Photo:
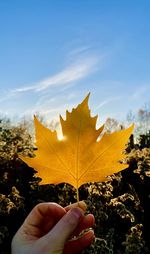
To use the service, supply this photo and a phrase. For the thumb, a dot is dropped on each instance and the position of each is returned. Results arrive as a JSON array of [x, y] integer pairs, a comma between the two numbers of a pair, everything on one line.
[[65, 227]]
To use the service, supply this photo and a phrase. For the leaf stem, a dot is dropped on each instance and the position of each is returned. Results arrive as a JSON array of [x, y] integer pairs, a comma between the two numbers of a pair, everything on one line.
[[78, 196]]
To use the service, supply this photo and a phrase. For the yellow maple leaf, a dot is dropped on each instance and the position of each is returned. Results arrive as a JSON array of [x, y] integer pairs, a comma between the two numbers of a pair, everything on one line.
[[78, 158]]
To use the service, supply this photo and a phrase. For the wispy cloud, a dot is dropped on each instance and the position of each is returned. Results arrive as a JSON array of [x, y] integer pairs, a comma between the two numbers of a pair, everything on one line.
[[41, 97], [139, 93], [80, 69], [79, 51], [68, 75], [106, 101]]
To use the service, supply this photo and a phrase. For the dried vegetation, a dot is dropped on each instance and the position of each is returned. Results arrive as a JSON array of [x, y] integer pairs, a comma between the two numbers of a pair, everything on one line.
[[121, 205]]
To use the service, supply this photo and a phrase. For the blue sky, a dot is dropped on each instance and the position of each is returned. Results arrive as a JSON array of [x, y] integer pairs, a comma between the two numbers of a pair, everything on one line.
[[53, 52]]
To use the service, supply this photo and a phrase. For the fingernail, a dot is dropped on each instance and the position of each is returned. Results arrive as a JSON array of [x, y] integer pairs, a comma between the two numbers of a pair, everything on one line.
[[77, 212], [90, 235], [82, 205]]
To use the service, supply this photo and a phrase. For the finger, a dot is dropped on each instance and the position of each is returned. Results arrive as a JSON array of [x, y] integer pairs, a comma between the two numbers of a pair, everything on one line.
[[78, 245], [50, 213], [85, 223], [80, 204], [65, 227]]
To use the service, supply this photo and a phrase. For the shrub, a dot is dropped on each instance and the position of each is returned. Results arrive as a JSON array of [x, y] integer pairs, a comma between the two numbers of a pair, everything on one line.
[[121, 205]]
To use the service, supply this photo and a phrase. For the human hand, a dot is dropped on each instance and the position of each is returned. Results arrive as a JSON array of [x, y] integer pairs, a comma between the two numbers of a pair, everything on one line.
[[50, 229]]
